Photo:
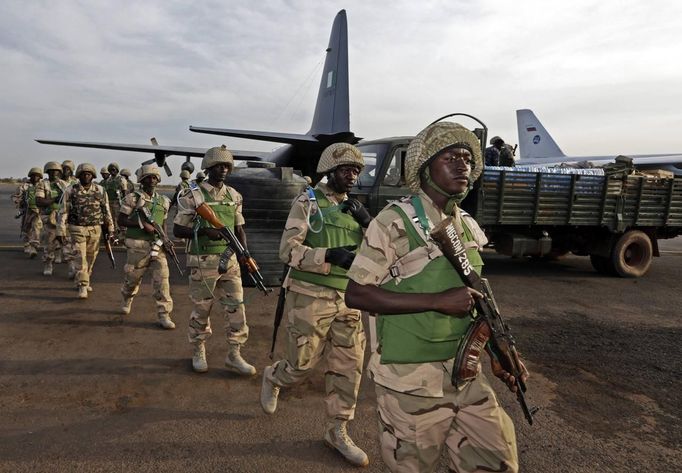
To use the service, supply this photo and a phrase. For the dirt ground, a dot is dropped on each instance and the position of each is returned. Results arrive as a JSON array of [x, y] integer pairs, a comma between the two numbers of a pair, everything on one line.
[[81, 390]]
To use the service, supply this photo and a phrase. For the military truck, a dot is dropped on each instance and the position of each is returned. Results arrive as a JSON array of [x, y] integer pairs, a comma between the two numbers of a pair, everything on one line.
[[615, 218]]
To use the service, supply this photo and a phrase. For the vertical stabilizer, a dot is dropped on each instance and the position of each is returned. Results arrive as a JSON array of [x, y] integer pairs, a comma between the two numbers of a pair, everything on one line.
[[534, 141], [332, 111]]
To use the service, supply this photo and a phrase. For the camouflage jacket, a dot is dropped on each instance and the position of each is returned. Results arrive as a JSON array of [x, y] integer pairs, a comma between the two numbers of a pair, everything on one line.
[[84, 207], [385, 243], [44, 190], [24, 198]]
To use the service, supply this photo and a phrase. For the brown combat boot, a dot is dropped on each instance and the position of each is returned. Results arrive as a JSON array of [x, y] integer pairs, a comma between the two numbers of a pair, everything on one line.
[[235, 362]]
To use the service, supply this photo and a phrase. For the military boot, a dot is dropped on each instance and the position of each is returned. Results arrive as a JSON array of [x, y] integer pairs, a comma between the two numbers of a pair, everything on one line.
[[235, 362], [126, 305], [72, 271], [82, 292], [32, 253], [268, 392], [336, 437], [58, 257], [47, 270], [199, 363], [166, 322]]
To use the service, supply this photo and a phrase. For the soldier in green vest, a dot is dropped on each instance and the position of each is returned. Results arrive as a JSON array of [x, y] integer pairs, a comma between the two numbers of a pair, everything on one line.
[[25, 200], [105, 175], [182, 185], [141, 241], [114, 194], [48, 197], [68, 252], [84, 209], [424, 310], [323, 228], [208, 286]]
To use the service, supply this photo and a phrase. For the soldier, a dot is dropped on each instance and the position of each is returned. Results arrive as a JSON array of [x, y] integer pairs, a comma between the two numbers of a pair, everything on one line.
[[183, 184], [84, 209], [399, 270], [111, 185], [143, 252], [67, 253], [200, 177], [48, 196], [25, 200], [317, 242], [126, 184], [499, 154], [68, 168], [205, 246], [105, 175]]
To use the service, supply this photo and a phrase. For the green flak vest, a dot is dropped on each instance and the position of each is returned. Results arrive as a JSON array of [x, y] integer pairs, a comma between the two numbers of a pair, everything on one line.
[[226, 211], [111, 186], [338, 229], [31, 197], [424, 336], [158, 211], [55, 193]]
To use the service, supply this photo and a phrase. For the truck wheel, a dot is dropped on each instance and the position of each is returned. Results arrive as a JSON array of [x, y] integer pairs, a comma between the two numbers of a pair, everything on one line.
[[602, 264], [631, 255]]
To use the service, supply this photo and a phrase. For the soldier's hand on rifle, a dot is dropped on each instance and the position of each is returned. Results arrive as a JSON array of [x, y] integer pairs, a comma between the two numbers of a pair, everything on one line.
[[358, 211], [341, 256], [148, 227], [212, 233], [457, 302], [505, 376]]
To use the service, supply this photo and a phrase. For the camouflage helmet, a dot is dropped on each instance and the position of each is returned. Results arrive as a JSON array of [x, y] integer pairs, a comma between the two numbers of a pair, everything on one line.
[[86, 167], [104, 171], [339, 154], [148, 170], [69, 164], [200, 176], [217, 155], [184, 175], [113, 166], [125, 172], [35, 170], [432, 140], [495, 139], [52, 166]]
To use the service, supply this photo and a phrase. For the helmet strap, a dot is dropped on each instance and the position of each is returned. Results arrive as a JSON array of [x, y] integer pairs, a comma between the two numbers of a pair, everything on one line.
[[453, 199]]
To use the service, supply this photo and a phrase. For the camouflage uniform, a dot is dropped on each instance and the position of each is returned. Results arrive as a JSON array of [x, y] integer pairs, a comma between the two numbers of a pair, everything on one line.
[[139, 258], [318, 323], [83, 212], [206, 284], [116, 188], [25, 199], [68, 250], [419, 409], [46, 189]]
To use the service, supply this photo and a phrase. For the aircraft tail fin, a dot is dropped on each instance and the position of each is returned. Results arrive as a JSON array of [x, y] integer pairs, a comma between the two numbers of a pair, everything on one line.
[[534, 141]]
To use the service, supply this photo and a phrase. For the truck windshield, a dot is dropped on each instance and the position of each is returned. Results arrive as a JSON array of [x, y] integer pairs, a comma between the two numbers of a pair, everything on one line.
[[373, 154]]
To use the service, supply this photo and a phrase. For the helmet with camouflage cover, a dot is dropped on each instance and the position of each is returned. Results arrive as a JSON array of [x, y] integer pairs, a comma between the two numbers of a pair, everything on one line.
[[431, 141], [52, 166], [200, 176], [35, 170], [338, 154], [217, 155], [113, 166], [126, 172], [184, 175], [495, 139], [69, 164], [104, 171], [86, 167], [148, 170]]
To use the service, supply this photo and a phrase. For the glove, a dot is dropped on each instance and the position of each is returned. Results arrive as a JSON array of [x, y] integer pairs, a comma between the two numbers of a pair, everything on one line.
[[355, 208], [342, 256]]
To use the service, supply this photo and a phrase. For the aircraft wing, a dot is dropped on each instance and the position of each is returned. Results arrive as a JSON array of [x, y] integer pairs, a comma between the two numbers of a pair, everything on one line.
[[288, 138], [156, 149]]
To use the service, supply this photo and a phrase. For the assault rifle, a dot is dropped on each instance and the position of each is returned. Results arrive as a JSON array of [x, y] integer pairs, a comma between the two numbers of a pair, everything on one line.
[[279, 311], [488, 330], [234, 246], [168, 247], [107, 245], [23, 210]]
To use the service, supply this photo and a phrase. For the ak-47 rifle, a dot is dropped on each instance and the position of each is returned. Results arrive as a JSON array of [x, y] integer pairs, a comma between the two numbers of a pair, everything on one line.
[[488, 330], [279, 311], [107, 244], [23, 210], [234, 246], [145, 213]]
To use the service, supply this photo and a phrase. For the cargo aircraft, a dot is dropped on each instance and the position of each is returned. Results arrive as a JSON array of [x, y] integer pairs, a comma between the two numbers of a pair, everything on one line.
[[537, 147]]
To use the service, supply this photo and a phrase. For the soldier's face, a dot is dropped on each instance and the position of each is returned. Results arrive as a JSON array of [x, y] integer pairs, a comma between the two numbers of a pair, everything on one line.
[[219, 172], [105, 175], [34, 178], [66, 171], [150, 182], [450, 170], [53, 174], [113, 172], [85, 178], [343, 178]]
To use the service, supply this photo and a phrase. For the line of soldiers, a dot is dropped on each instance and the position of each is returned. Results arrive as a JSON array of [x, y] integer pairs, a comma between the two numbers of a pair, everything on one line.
[[341, 261]]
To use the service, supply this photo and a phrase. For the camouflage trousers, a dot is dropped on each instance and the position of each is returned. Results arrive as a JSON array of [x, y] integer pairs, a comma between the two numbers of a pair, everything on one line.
[[32, 229], [68, 249], [323, 327], [208, 287], [85, 240], [115, 208], [138, 261], [478, 434], [50, 242]]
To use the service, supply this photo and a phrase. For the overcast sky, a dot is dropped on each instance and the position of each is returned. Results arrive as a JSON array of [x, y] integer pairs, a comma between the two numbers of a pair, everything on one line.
[[603, 76]]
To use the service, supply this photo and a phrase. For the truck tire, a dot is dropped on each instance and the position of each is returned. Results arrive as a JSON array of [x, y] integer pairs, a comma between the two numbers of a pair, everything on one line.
[[602, 265], [632, 254]]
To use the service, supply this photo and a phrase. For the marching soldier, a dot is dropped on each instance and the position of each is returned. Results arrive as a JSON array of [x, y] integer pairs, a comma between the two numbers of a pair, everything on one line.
[[105, 175], [425, 311], [183, 184], [200, 177], [67, 252], [207, 285], [323, 226], [48, 196], [141, 242], [68, 168], [84, 210], [113, 189], [126, 185], [25, 200]]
